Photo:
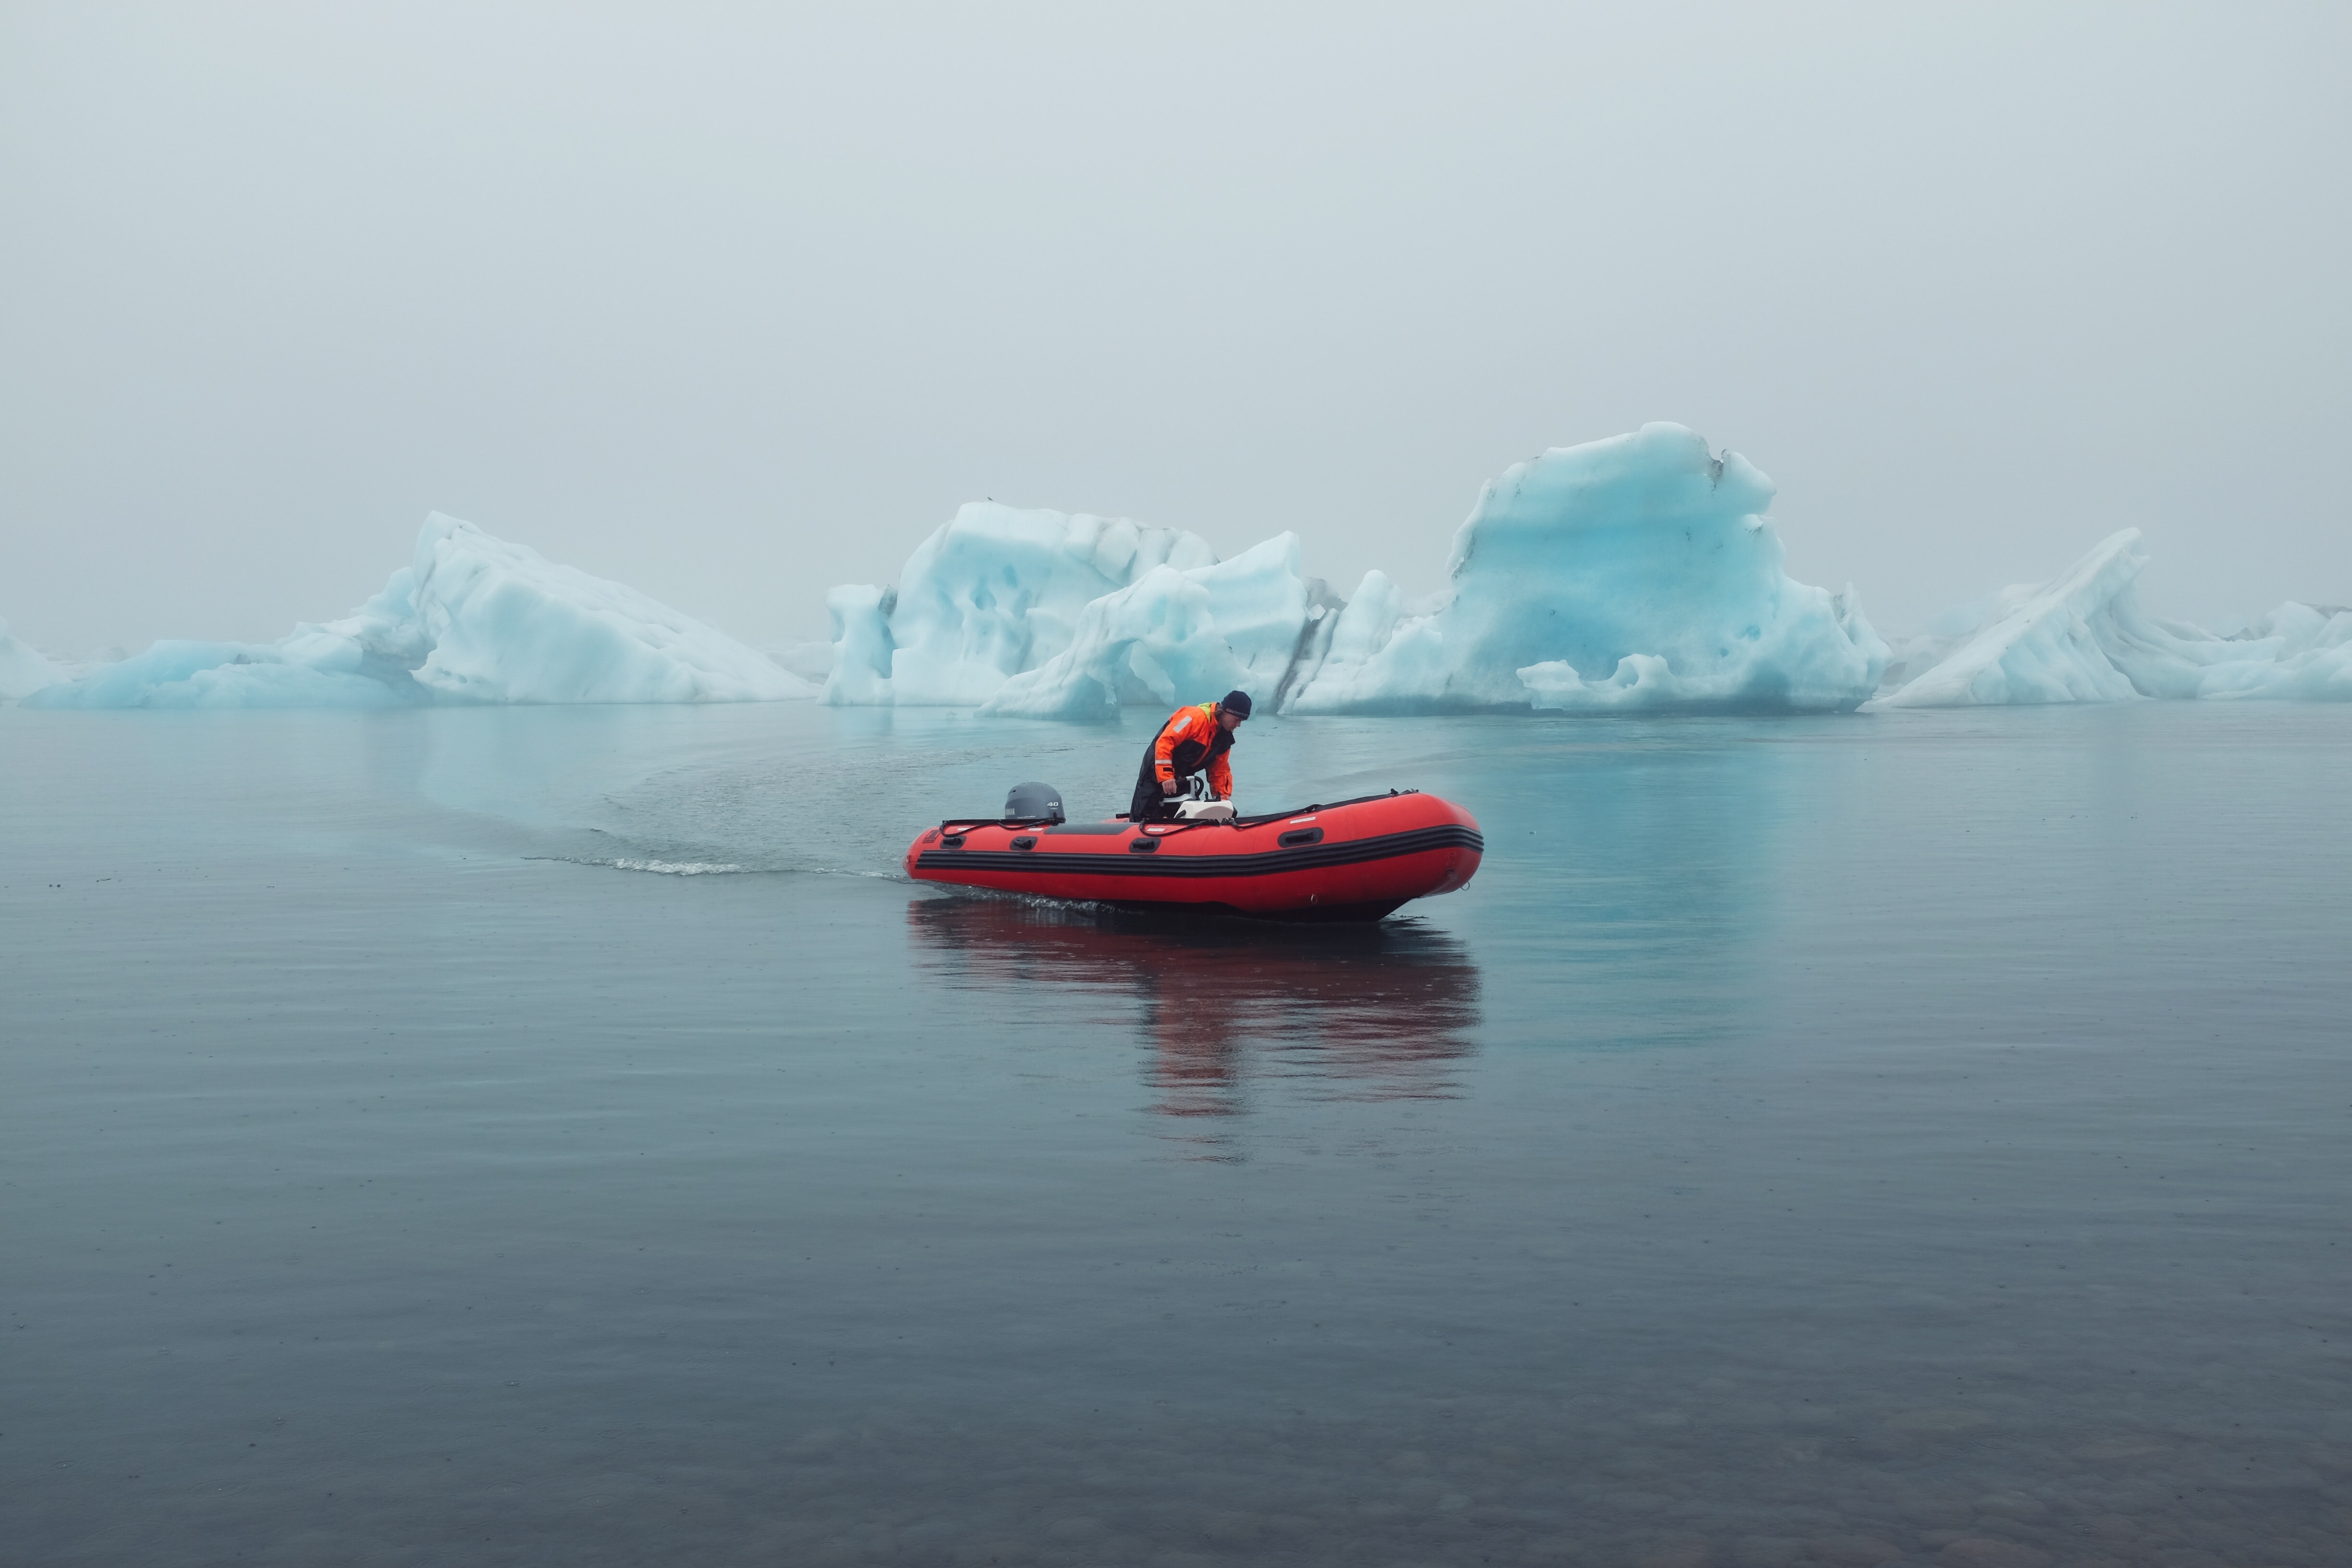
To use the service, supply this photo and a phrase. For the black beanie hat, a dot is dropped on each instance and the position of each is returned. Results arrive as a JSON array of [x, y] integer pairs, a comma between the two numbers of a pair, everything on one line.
[[1236, 702]]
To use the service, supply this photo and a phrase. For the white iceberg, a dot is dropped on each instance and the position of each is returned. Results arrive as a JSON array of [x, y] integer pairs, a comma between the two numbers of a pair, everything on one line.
[[504, 625], [1641, 560], [995, 592], [23, 670], [471, 619], [2083, 637], [175, 674], [1176, 637], [1636, 572]]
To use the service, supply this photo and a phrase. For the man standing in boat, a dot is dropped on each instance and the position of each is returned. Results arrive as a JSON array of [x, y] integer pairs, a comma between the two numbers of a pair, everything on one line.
[[1193, 739]]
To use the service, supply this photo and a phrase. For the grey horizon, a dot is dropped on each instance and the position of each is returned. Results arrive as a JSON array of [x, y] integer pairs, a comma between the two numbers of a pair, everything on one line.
[[735, 311]]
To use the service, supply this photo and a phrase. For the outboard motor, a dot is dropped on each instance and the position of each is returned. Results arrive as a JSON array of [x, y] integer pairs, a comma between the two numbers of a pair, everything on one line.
[[1034, 803]]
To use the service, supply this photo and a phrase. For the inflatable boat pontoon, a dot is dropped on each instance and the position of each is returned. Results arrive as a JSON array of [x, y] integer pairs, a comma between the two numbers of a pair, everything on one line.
[[1350, 860]]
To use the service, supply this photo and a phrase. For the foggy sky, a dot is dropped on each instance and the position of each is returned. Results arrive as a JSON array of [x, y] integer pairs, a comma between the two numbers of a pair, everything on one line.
[[733, 304]]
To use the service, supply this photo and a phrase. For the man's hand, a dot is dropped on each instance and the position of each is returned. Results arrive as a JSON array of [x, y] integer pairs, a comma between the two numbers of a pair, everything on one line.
[[1168, 786]]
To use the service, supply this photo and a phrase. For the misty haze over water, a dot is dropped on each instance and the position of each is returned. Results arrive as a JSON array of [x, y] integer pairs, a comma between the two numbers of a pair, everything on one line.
[[733, 307]]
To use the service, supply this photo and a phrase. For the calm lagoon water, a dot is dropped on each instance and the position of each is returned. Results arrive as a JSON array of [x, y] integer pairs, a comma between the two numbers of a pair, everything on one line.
[[561, 1136]]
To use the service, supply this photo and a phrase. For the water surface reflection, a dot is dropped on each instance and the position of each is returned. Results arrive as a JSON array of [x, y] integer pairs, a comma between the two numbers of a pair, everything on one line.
[[1364, 1012]]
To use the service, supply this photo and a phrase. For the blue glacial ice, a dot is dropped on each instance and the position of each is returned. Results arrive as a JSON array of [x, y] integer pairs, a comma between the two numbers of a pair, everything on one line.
[[1632, 572], [472, 618], [23, 670], [2083, 637], [1171, 635], [994, 593], [1636, 573]]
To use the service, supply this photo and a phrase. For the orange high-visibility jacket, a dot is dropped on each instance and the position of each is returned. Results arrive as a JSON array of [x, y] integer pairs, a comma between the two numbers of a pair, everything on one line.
[[1199, 725]]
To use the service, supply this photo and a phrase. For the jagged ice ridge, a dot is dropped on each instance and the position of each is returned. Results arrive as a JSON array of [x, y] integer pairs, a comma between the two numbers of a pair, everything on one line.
[[472, 618], [1633, 574], [2083, 637], [1642, 560]]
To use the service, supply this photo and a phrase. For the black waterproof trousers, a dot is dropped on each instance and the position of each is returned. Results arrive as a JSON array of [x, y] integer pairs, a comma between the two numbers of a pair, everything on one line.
[[1151, 802]]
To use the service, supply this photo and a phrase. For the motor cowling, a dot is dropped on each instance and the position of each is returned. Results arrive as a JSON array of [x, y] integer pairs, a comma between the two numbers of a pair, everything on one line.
[[1034, 802]]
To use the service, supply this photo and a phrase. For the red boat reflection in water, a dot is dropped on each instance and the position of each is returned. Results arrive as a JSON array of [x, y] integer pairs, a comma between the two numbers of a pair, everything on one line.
[[1365, 1012]]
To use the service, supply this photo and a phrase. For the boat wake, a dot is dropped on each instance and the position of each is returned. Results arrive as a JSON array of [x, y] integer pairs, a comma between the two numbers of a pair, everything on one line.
[[658, 867]]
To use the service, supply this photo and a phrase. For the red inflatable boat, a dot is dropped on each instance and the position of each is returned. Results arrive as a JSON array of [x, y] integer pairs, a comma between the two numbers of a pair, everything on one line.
[[1351, 860]]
